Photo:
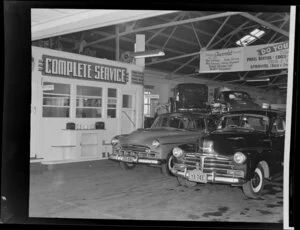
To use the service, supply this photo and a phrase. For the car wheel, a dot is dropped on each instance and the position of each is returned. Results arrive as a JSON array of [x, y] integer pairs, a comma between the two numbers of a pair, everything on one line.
[[254, 187], [166, 168], [186, 183], [127, 166]]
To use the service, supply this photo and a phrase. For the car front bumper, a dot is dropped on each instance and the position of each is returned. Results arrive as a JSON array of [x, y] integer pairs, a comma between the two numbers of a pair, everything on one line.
[[136, 160], [211, 177]]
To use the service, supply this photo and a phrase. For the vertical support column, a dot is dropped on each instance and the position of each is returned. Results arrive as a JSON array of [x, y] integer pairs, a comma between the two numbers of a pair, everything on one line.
[[117, 44], [140, 46]]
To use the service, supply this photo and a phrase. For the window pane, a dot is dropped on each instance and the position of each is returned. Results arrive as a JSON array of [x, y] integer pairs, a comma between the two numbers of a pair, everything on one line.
[[55, 94], [127, 101], [89, 91], [88, 96], [55, 112], [56, 100], [88, 102], [56, 88], [88, 112], [111, 113], [112, 92]]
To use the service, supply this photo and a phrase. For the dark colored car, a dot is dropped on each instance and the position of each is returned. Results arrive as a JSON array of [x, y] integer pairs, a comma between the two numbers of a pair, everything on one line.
[[190, 97], [153, 146], [233, 101], [246, 149]]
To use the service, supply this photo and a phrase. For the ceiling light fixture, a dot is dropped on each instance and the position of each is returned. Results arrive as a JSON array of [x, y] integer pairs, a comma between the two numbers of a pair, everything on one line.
[[255, 80], [147, 53], [251, 37]]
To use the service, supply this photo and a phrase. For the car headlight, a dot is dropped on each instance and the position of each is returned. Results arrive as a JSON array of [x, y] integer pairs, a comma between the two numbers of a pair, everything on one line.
[[239, 158], [155, 143], [208, 146], [177, 152], [114, 141]]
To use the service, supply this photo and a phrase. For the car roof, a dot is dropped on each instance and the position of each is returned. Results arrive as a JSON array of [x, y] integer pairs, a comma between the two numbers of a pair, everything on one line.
[[233, 91], [264, 112], [186, 114]]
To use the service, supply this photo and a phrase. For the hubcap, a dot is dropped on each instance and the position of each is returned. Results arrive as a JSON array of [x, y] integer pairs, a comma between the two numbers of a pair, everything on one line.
[[255, 180]]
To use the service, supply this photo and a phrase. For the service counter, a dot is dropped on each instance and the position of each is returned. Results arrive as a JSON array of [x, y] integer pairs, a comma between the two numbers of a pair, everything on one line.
[[72, 88]]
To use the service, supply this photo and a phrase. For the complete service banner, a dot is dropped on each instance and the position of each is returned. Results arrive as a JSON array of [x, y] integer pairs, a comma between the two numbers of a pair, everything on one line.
[[250, 58]]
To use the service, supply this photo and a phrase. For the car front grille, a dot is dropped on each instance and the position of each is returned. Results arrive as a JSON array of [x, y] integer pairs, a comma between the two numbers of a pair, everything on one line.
[[208, 164], [136, 150]]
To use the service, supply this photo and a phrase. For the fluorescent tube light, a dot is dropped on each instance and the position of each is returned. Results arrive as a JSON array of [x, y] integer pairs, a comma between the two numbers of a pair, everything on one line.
[[254, 80], [147, 53]]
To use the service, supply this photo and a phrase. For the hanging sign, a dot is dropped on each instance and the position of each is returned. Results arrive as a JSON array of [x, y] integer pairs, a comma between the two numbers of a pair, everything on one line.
[[260, 57], [62, 67]]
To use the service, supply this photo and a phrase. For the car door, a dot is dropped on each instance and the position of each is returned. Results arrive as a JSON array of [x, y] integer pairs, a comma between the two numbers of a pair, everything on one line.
[[277, 139]]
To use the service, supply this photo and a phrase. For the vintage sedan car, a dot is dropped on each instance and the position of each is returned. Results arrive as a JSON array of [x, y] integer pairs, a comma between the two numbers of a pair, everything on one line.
[[233, 101], [245, 150], [153, 146]]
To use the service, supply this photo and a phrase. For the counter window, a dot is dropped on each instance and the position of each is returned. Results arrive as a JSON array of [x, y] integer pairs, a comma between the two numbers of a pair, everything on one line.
[[88, 102], [56, 100], [111, 103]]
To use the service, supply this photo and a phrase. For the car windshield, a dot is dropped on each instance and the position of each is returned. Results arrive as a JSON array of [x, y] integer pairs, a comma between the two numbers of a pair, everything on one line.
[[178, 122], [195, 93], [244, 121], [237, 96]]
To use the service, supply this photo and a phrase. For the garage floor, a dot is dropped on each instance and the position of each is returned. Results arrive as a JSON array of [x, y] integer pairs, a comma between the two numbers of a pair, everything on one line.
[[102, 190]]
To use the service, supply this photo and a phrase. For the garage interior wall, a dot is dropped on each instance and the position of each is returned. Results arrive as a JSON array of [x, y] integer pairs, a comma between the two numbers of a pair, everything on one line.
[[164, 87]]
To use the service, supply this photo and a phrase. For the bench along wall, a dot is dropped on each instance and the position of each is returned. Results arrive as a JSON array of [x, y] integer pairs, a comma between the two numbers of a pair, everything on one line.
[[72, 88]]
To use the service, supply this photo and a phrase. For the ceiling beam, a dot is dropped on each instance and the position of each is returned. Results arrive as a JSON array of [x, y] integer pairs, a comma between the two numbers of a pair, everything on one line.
[[174, 58], [214, 78], [233, 32], [217, 32], [180, 67], [268, 85], [262, 22], [171, 34], [150, 45], [162, 29], [196, 35], [208, 17], [187, 26], [274, 35]]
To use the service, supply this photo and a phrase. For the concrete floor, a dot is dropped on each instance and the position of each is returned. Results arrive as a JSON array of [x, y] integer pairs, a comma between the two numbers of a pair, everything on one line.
[[102, 190]]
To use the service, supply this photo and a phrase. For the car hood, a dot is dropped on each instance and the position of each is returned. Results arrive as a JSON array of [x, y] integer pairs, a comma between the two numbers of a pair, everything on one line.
[[243, 104], [164, 135], [227, 142]]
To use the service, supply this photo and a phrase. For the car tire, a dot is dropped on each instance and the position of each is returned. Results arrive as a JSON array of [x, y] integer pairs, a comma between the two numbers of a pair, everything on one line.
[[127, 166], [166, 167], [254, 187], [186, 183]]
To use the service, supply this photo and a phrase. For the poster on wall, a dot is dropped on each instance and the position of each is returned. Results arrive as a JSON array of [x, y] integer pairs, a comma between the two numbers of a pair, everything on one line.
[[260, 57]]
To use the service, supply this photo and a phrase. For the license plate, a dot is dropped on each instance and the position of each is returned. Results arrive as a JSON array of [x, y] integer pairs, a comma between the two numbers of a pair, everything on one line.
[[128, 159], [197, 176]]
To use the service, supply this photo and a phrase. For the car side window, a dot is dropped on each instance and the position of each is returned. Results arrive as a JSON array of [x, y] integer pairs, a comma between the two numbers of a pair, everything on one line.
[[211, 124], [221, 97], [278, 126], [200, 125]]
